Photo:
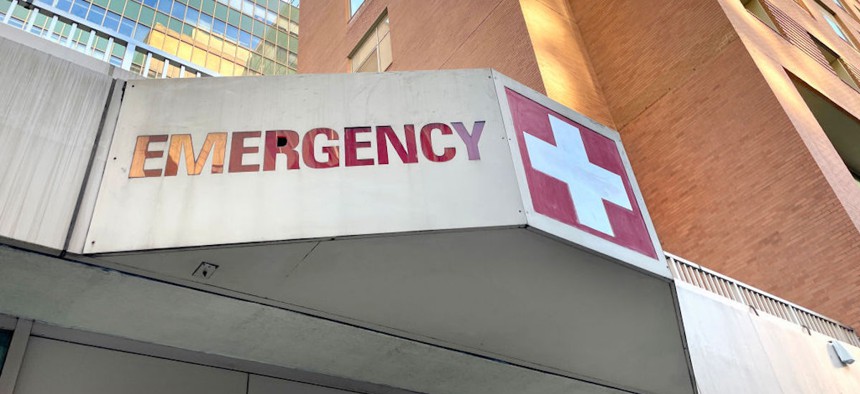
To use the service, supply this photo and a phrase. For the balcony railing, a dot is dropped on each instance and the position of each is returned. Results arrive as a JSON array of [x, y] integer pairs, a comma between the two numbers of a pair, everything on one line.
[[724, 286]]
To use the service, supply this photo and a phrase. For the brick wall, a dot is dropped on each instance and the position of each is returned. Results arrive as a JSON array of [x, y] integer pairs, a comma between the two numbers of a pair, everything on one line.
[[425, 35]]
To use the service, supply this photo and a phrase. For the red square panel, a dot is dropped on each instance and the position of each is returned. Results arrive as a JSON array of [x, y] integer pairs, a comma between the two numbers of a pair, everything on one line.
[[576, 176]]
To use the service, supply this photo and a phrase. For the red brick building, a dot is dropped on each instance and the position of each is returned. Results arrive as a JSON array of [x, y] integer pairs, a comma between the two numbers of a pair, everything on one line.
[[740, 117]]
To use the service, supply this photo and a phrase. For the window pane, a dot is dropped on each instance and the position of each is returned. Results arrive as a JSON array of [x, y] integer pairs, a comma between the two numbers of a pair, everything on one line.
[[100, 3], [208, 6], [219, 27], [146, 16], [198, 56], [232, 33], [126, 26], [112, 21], [141, 33], [194, 3], [369, 65], [353, 6], [5, 339], [191, 16], [80, 8], [64, 5], [221, 12], [117, 6], [178, 11], [165, 5], [132, 10], [233, 17], [96, 15], [245, 38], [175, 25], [385, 53], [161, 19], [205, 22], [151, 3]]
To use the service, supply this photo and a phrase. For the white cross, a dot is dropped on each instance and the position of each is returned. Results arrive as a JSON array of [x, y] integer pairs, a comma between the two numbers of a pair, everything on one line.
[[589, 184]]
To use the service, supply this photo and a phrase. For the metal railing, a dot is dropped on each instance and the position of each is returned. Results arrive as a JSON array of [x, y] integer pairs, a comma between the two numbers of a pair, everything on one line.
[[724, 286]]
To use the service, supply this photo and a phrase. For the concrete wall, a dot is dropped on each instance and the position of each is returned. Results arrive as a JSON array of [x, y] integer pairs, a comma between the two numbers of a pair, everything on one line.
[[50, 113]]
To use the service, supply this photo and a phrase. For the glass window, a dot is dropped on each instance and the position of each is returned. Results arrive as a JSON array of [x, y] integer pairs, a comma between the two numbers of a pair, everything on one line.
[[221, 12], [141, 33], [132, 10], [232, 33], [354, 5], [294, 44], [247, 23], [146, 16], [294, 14], [116, 6], [96, 15], [161, 19], [79, 8], [233, 17], [219, 27], [208, 6], [171, 45], [5, 340], [100, 3], [178, 11], [245, 38], [151, 3], [112, 21], [374, 53], [64, 5], [194, 3], [255, 42], [205, 22], [198, 56], [175, 25], [191, 16], [259, 28], [187, 30], [165, 5], [184, 51], [834, 22], [126, 26]]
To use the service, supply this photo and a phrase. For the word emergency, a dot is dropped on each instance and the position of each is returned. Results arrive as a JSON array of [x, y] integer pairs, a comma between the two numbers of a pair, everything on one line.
[[318, 148]]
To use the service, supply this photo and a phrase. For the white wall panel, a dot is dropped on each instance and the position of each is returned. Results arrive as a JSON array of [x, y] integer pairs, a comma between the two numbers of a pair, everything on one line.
[[734, 350], [49, 117]]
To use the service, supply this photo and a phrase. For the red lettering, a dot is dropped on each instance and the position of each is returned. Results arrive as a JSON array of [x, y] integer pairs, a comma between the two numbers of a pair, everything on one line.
[[309, 154], [142, 152], [427, 142], [281, 142], [386, 133], [351, 145], [238, 150]]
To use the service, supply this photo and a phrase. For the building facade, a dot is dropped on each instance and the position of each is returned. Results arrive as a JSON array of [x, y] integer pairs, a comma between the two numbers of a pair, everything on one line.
[[441, 231], [740, 116], [169, 38]]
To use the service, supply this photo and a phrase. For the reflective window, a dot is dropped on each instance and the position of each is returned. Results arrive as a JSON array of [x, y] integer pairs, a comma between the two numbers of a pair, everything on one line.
[[354, 5], [5, 339], [96, 15], [79, 8], [126, 26], [164, 6], [112, 21], [374, 53], [835, 23], [151, 3], [178, 11], [64, 5]]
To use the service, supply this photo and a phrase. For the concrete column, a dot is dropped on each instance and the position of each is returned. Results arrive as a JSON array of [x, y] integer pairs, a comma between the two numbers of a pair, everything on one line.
[[128, 57], [165, 68], [90, 42], [72, 31], [182, 71], [146, 64], [31, 20], [51, 27], [108, 49]]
